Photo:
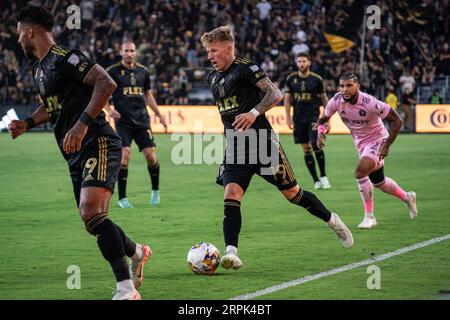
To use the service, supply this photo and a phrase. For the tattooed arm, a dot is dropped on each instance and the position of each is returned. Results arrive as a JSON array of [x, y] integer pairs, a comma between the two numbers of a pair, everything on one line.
[[272, 96], [104, 86]]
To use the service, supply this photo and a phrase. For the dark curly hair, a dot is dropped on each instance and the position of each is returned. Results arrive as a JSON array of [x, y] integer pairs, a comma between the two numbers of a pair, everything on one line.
[[36, 15], [349, 75]]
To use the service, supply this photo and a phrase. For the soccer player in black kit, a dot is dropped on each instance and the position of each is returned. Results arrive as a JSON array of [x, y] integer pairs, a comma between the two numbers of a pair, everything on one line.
[[132, 119], [304, 90], [73, 91], [243, 93]]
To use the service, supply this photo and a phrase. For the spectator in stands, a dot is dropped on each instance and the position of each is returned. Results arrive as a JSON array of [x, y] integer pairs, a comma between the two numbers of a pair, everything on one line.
[[406, 107], [169, 32], [391, 98], [428, 73], [435, 98]]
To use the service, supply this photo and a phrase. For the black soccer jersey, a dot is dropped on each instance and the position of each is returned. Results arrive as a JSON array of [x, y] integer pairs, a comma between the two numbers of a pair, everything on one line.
[[234, 91], [59, 79], [305, 96], [129, 98]]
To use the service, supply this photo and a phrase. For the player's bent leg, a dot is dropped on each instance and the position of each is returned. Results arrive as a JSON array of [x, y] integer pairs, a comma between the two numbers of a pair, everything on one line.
[[122, 179], [94, 212], [153, 170], [365, 166], [390, 187], [232, 225], [311, 203]]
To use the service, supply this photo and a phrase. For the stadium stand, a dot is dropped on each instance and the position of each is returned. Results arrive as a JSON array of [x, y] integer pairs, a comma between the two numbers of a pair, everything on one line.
[[414, 36]]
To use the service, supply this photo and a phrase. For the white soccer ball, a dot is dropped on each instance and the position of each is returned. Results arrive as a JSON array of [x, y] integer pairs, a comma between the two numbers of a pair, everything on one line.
[[203, 258]]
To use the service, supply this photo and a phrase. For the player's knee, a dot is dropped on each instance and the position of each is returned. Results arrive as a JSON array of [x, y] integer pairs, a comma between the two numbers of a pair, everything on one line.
[[361, 172], [233, 193], [377, 177], [291, 193], [125, 156], [88, 209], [308, 151], [152, 161]]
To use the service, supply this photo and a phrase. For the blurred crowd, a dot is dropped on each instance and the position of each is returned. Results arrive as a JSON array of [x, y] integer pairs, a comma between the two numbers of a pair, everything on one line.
[[411, 48]]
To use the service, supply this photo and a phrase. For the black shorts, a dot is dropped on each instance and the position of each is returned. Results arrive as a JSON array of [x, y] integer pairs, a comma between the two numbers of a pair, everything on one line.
[[142, 136], [282, 176], [306, 132], [98, 164]]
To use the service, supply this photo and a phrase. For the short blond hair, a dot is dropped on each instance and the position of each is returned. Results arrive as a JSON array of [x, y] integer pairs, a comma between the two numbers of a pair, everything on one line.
[[220, 34]]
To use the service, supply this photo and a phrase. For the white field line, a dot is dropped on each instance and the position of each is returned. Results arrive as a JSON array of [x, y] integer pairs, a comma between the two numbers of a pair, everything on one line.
[[347, 267]]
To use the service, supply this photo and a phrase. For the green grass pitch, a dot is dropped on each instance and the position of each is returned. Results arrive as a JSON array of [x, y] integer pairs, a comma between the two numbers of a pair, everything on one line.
[[41, 234]]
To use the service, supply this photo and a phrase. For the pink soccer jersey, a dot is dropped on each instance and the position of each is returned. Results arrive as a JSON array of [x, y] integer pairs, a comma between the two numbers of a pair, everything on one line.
[[364, 119]]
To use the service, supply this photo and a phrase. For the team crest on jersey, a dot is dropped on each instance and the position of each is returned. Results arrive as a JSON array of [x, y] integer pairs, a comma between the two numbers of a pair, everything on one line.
[[122, 72], [362, 113], [132, 79], [303, 88], [222, 81], [73, 59], [221, 91]]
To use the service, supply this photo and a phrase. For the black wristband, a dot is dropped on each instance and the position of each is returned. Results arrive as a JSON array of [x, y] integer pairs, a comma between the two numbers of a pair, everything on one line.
[[30, 122], [86, 118]]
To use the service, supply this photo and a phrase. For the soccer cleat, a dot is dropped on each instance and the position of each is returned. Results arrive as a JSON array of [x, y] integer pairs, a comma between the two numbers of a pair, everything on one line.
[[231, 260], [124, 204], [341, 230], [368, 223], [411, 204], [325, 182], [317, 185], [154, 198], [137, 268], [126, 295]]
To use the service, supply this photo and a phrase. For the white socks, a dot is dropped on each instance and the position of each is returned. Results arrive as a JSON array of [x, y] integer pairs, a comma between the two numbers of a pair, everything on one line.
[[231, 249], [125, 286]]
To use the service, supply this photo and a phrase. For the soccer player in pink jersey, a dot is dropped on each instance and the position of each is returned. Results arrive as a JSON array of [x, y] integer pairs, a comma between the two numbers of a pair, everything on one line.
[[363, 114]]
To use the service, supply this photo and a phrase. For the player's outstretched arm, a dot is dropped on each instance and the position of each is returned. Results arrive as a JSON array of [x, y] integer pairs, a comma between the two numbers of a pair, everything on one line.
[[19, 127], [272, 96], [104, 86], [395, 124]]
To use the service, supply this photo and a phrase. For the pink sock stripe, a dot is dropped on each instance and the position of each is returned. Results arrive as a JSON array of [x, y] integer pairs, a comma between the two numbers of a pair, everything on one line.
[[368, 206], [400, 193]]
